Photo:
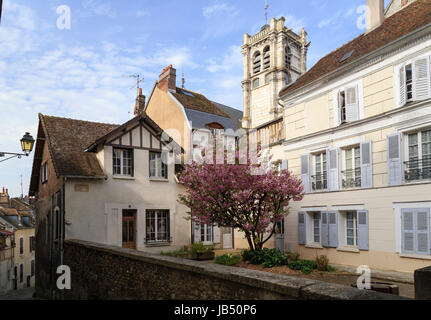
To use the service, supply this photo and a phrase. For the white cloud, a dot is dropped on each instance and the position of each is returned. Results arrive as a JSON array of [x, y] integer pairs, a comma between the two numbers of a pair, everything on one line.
[[233, 58], [295, 23], [98, 7], [217, 9]]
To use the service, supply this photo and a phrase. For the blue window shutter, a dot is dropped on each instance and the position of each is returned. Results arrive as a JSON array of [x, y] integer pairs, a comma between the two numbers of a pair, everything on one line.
[[422, 231], [325, 229], [363, 230], [333, 169], [302, 227], [366, 165], [408, 230], [305, 172], [333, 229], [395, 162]]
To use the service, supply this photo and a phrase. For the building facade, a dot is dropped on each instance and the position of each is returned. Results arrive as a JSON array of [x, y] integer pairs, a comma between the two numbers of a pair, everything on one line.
[[358, 132]]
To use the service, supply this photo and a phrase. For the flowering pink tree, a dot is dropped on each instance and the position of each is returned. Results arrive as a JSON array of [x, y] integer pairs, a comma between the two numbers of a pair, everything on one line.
[[233, 195]]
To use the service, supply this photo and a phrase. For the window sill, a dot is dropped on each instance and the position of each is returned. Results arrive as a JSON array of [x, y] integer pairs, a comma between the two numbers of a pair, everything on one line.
[[314, 246], [415, 256], [159, 180], [348, 249], [123, 178], [157, 244]]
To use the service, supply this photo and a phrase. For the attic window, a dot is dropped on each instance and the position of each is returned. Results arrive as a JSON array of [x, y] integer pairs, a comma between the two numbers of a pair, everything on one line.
[[188, 94], [346, 56]]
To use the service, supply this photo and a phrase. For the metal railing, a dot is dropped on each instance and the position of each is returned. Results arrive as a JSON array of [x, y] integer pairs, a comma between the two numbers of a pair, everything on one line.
[[351, 178], [319, 182], [419, 169]]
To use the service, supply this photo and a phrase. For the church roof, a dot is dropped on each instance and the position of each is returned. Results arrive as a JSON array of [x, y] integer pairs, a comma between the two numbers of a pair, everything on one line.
[[405, 21]]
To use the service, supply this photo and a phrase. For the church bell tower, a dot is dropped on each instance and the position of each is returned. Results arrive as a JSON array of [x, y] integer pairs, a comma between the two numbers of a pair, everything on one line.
[[273, 58]]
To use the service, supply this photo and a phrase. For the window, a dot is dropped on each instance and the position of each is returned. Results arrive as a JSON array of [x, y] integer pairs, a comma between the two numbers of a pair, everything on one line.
[[319, 179], [279, 227], [268, 78], [32, 243], [351, 175], [415, 230], [351, 229], [257, 62], [157, 226], [418, 165], [348, 104], [266, 58], [255, 83], [21, 245], [287, 57], [286, 78], [316, 227], [414, 80], [44, 175], [342, 105], [32, 268], [206, 232], [122, 162], [21, 273], [57, 223], [158, 165]]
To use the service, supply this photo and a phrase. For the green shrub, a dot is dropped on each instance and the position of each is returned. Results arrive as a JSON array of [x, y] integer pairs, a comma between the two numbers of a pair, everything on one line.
[[268, 258], [228, 259], [293, 256], [306, 269], [322, 263], [331, 269], [199, 248], [299, 264]]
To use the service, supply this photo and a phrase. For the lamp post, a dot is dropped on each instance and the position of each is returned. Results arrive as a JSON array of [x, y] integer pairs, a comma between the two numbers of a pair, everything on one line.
[[27, 143]]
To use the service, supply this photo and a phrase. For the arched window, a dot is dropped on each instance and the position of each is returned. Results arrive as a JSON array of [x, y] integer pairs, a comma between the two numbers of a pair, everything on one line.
[[287, 57], [257, 62], [266, 58]]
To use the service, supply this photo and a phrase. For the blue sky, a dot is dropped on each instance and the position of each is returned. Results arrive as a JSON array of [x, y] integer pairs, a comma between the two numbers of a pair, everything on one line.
[[82, 72]]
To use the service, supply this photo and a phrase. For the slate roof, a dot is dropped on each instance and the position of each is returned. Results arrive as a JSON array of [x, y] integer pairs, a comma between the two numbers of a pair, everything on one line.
[[201, 119], [412, 17], [235, 114]]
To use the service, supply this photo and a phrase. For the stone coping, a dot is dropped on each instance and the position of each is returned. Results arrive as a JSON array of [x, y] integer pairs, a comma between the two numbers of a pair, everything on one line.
[[296, 288]]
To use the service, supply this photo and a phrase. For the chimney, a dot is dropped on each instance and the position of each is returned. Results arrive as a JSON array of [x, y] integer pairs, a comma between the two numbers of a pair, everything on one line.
[[140, 103], [168, 79], [4, 198], [375, 14]]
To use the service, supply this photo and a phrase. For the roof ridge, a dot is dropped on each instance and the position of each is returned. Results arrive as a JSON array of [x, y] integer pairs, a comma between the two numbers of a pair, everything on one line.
[[72, 119]]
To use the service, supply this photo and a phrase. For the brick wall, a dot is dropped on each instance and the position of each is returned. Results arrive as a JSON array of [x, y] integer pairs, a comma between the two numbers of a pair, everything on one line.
[[105, 272]]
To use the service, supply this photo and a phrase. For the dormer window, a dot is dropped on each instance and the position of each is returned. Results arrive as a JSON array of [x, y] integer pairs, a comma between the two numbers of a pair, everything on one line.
[[414, 80], [122, 161], [257, 62], [266, 58]]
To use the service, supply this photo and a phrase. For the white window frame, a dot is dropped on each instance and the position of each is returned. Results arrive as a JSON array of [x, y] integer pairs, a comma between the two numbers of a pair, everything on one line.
[[157, 213], [122, 159], [335, 103], [323, 168], [344, 162], [319, 226], [420, 150], [158, 161], [207, 233], [45, 172], [355, 229]]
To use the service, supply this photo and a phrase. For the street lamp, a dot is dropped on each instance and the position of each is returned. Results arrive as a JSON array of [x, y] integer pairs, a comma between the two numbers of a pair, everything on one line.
[[27, 143]]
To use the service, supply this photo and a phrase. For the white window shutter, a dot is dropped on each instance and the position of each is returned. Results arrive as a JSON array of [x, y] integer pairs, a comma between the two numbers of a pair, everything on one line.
[[363, 227], [395, 162], [402, 86], [302, 227], [216, 232], [421, 79], [332, 229], [305, 172], [352, 105], [333, 169], [336, 108], [284, 164], [366, 165], [423, 231], [325, 229], [408, 230]]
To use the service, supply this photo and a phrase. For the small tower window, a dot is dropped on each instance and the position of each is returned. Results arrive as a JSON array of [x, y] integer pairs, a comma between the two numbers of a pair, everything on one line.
[[287, 57], [257, 62], [256, 83], [266, 58]]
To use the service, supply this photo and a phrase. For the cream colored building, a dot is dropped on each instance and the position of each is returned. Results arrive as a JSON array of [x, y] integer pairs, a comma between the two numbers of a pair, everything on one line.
[[358, 132]]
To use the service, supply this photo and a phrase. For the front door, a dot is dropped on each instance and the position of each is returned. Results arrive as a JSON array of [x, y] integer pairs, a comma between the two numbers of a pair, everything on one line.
[[227, 238], [129, 229]]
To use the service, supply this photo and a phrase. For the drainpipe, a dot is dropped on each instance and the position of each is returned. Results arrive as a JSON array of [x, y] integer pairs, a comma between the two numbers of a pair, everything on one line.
[[62, 228]]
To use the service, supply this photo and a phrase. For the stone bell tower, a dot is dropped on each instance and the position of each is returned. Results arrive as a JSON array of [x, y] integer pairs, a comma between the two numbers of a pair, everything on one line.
[[273, 58]]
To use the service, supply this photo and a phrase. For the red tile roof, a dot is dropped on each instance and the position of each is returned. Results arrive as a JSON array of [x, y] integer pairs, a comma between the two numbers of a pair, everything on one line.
[[414, 16]]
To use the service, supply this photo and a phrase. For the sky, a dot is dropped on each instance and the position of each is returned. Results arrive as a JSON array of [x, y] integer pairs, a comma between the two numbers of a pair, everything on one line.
[[82, 70]]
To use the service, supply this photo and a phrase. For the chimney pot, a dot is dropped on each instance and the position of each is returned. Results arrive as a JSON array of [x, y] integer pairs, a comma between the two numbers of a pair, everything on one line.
[[168, 79]]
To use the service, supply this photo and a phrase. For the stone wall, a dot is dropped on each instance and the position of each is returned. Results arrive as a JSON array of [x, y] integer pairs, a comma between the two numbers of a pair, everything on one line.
[[105, 272]]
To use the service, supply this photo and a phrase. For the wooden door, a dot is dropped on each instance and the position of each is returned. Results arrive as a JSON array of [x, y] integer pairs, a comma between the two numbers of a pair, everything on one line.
[[129, 229]]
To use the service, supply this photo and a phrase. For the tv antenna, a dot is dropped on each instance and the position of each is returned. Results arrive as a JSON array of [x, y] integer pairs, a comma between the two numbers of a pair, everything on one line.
[[139, 80], [266, 11]]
